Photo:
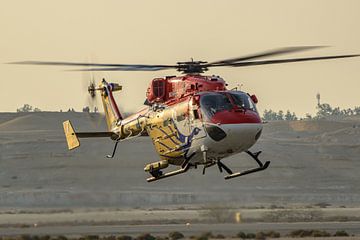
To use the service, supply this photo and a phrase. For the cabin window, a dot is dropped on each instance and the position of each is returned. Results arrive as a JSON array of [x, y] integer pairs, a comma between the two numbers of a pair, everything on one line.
[[159, 88], [196, 114]]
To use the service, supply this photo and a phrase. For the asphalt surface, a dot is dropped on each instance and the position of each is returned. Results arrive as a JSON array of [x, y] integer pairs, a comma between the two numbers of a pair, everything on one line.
[[187, 230]]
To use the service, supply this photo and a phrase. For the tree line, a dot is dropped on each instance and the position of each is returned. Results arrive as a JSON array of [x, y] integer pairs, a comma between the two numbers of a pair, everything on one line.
[[324, 111]]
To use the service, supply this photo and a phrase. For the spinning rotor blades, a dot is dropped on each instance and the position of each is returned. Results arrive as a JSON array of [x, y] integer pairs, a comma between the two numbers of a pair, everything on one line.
[[196, 67], [271, 53], [254, 63]]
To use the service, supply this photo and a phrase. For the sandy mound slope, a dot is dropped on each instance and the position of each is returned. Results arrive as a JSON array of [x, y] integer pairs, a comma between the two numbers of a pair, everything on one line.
[[346, 136], [52, 121], [312, 126]]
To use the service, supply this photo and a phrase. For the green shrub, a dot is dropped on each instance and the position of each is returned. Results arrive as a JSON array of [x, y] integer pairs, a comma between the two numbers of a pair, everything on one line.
[[176, 235], [146, 236], [260, 236], [124, 237], [161, 238], [26, 237], [272, 234], [91, 237], [309, 233], [45, 237], [62, 238], [201, 238], [241, 235], [319, 233], [250, 235], [204, 236], [300, 233], [341, 234], [219, 236], [111, 237]]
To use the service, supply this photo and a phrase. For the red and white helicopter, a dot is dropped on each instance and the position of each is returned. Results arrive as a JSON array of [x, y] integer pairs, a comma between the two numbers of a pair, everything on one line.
[[192, 119]]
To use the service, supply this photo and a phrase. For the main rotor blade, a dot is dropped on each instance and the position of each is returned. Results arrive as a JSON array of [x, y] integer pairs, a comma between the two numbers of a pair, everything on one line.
[[255, 63], [91, 64], [274, 52], [122, 69]]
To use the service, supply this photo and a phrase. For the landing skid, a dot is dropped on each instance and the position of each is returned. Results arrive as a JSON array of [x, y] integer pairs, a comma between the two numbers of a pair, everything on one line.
[[262, 166]]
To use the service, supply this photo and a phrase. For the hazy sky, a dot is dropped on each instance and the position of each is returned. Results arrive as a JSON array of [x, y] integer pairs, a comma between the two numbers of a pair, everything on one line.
[[164, 32]]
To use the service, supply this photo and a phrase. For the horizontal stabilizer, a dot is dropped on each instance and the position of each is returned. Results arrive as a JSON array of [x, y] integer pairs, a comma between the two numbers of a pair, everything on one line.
[[72, 137]]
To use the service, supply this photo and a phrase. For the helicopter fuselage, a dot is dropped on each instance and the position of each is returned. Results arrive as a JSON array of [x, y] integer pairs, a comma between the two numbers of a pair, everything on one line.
[[200, 127]]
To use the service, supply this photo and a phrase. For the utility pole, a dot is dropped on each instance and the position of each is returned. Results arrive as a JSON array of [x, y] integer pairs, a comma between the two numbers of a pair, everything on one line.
[[318, 98]]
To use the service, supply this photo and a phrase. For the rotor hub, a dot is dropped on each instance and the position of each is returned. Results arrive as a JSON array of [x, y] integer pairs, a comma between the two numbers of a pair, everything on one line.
[[192, 67]]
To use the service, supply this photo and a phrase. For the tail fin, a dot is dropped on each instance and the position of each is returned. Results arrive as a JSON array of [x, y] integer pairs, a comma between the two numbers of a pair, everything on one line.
[[111, 109], [71, 138]]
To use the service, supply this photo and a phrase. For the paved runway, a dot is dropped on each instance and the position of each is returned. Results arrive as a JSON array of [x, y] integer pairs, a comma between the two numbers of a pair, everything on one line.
[[192, 229]]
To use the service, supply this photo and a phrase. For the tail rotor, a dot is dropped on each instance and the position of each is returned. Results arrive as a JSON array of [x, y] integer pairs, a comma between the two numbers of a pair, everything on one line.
[[92, 102]]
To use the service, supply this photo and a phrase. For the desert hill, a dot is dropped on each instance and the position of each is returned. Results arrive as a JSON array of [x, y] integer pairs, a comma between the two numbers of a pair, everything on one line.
[[311, 162]]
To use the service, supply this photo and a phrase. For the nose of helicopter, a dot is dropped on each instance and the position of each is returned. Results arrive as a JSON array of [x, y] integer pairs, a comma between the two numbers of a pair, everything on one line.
[[235, 132], [234, 136]]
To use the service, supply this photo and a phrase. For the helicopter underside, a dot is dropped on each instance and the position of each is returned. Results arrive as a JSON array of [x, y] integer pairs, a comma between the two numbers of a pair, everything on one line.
[[235, 138], [208, 150]]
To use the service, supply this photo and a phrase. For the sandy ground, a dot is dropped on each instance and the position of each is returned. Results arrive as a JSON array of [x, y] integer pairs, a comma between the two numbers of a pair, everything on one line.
[[151, 216], [314, 164]]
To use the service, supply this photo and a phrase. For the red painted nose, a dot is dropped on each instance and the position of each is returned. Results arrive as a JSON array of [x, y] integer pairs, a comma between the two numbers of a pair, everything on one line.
[[235, 116]]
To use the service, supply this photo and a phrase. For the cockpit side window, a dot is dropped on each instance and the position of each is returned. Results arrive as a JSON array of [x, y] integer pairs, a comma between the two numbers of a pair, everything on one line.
[[242, 100]]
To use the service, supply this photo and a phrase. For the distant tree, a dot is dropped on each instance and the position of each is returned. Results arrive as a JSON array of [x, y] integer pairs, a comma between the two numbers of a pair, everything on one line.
[[280, 115], [324, 110], [357, 110], [308, 116], [269, 115], [336, 112], [25, 108], [86, 109], [290, 116], [28, 108]]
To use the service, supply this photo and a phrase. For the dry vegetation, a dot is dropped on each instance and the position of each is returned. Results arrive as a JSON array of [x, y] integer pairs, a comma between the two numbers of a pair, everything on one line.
[[262, 235]]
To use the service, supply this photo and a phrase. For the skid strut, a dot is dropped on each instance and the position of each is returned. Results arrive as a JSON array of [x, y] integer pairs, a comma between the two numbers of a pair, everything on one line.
[[262, 166], [113, 153]]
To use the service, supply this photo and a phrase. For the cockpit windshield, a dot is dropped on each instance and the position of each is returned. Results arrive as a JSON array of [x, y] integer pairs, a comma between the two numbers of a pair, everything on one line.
[[212, 103]]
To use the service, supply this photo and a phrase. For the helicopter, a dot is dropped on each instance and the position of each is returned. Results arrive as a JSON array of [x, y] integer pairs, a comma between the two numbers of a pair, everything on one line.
[[193, 119]]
